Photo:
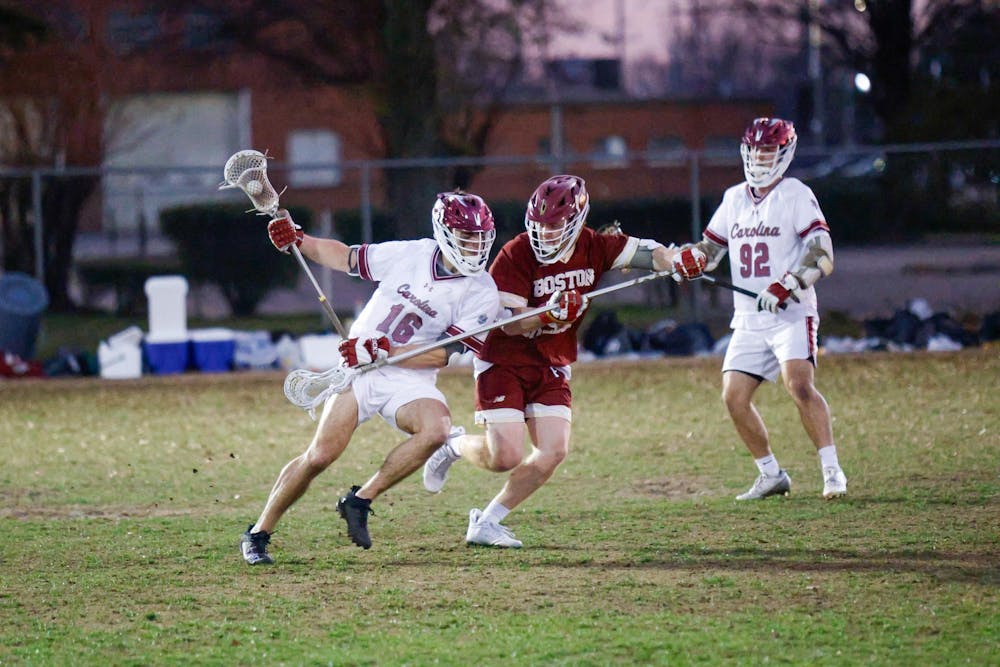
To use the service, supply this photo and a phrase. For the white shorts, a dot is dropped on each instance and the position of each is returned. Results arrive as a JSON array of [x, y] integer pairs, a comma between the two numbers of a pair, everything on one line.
[[761, 352], [386, 390]]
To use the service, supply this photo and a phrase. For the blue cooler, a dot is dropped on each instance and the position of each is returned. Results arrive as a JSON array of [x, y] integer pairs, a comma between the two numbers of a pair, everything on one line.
[[165, 356], [22, 301], [213, 349]]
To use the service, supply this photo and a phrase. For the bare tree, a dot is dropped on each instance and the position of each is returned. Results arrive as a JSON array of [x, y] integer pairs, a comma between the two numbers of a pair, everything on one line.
[[436, 71], [882, 38], [53, 101]]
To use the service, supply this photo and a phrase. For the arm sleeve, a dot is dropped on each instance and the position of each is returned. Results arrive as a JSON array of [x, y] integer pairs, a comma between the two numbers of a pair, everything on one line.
[[512, 279], [616, 250], [375, 259]]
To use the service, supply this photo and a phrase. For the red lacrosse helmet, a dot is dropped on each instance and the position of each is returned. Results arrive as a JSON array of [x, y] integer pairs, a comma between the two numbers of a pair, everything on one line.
[[767, 148], [556, 213], [464, 230]]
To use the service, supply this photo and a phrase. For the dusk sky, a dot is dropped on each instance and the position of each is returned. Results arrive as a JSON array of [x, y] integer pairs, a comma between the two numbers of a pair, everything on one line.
[[646, 28]]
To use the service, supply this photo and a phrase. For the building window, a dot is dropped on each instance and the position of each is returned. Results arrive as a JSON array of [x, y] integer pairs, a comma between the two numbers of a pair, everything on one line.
[[314, 157], [610, 152], [663, 150]]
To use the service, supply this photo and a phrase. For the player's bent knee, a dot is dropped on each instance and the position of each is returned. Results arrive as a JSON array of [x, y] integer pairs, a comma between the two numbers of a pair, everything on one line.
[[436, 434], [801, 391], [319, 458], [503, 458]]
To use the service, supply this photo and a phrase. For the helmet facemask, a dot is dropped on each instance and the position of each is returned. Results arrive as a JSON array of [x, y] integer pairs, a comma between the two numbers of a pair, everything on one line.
[[557, 212], [464, 231], [767, 149]]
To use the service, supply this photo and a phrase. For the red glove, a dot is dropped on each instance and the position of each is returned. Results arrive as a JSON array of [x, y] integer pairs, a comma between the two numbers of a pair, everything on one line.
[[571, 305], [361, 351], [689, 263], [283, 232], [774, 297]]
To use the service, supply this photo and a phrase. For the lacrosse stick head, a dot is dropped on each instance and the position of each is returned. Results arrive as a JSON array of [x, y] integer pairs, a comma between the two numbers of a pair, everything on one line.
[[247, 170], [308, 390]]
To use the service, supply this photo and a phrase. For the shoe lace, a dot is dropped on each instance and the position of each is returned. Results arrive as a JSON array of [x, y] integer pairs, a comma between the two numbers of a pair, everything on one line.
[[260, 540]]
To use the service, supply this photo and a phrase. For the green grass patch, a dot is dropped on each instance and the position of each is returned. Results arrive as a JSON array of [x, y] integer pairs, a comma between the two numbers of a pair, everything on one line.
[[122, 505]]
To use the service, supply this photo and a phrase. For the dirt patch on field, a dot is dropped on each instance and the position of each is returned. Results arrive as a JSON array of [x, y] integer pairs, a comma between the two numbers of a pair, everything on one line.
[[27, 504], [677, 488]]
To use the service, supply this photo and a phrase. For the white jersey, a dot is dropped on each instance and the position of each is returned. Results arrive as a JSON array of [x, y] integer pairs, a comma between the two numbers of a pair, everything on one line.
[[766, 238], [416, 302]]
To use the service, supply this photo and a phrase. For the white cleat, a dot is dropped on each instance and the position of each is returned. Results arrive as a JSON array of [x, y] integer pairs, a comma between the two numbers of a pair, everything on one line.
[[488, 533], [436, 467], [834, 483], [765, 486]]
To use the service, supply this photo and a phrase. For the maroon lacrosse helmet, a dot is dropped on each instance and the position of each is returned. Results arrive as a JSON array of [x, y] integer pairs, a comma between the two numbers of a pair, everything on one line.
[[767, 148], [464, 230], [556, 213]]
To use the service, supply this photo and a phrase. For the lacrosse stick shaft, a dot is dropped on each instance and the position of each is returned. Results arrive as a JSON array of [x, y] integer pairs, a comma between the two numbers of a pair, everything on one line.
[[319, 292], [416, 352], [333, 386], [728, 285]]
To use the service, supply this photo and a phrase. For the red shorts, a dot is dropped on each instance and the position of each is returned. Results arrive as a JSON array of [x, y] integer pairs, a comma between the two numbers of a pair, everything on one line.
[[511, 393]]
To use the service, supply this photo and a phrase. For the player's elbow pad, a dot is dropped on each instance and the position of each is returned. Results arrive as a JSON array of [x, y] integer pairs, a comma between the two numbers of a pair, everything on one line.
[[818, 261], [713, 252]]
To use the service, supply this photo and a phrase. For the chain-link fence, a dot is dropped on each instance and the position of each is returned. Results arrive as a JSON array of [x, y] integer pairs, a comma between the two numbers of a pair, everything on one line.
[[98, 232]]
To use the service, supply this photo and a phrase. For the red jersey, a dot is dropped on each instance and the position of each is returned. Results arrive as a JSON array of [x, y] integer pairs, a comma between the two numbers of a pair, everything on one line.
[[524, 282]]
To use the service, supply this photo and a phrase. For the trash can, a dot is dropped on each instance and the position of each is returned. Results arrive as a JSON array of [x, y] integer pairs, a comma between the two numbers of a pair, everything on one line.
[[22, 302]]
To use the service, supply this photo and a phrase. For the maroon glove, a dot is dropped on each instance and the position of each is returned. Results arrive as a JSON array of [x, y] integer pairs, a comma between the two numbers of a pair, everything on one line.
[[361, 351], [283, 232], [689, 262], [571, 305]]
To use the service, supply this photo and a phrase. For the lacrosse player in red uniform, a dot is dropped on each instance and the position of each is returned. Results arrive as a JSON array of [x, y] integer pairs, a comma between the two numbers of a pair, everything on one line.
[[428, 290], [523, 370], [779, 245]]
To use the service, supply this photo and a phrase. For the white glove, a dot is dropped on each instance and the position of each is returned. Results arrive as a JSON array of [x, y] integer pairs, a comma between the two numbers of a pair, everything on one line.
[[774, 297]]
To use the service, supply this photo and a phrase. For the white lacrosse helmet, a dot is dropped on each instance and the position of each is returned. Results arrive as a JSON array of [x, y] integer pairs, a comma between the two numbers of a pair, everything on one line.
[[556, 214], [767, 148], [464, 230]]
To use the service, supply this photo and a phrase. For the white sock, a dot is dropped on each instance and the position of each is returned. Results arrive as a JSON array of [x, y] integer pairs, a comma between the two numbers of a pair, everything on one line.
[[452, 445], [828, 456], [495, 512], [768, 465]]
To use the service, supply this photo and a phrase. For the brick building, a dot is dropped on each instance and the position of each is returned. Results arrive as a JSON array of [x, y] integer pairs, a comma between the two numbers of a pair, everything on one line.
[[180, 108]]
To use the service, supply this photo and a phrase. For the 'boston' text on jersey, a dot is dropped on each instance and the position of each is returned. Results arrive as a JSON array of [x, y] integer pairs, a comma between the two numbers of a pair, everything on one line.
[[563, 281]]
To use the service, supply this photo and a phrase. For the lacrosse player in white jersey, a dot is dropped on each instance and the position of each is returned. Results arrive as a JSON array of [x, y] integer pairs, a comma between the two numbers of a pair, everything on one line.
[[428, 290], [779, 246]]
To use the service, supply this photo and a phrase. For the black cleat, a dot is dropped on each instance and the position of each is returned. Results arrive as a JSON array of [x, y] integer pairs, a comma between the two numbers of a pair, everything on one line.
[[355, 512], [254, 547]]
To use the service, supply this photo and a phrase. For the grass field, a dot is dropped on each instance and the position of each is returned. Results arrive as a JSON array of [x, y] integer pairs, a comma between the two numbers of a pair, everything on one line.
[[122, 504]]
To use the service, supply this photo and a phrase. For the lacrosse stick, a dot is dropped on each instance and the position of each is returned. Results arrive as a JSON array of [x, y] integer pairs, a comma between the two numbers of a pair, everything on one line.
[[247, 170], [727, 285], [308, 390]]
